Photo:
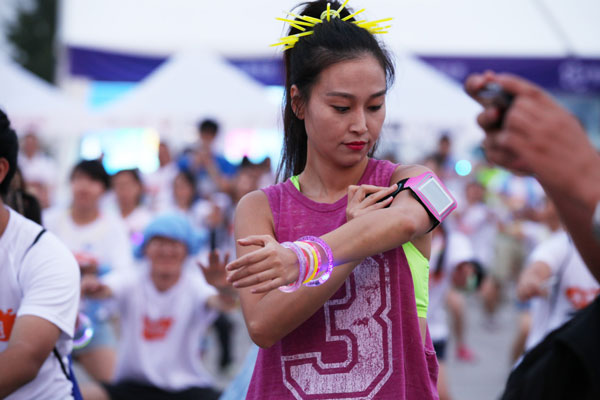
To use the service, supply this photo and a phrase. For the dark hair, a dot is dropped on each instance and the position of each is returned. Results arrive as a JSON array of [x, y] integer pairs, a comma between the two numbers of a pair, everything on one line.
[[92, 169], [134, 172], [208, 125], [25, 204], [331, 43], [9, 149]]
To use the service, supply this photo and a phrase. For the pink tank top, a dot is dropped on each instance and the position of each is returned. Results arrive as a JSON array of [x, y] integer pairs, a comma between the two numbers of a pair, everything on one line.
[[364, 343]]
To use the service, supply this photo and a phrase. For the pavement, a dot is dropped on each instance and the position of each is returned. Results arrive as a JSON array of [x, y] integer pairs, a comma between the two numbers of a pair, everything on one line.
[[484, 378]]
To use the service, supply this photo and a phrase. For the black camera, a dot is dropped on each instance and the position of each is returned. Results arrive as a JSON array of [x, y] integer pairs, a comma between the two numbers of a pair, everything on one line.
[[493, 95]]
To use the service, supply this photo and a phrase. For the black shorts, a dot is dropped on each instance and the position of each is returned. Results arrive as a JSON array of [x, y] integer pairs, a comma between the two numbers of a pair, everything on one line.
[[128, 390], [440, 349]]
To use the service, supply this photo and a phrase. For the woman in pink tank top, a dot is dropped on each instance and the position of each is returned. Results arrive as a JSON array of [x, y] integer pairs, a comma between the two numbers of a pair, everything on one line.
[[356, 336]]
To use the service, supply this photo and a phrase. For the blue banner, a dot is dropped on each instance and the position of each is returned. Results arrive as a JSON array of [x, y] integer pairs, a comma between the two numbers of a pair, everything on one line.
[[568, 75]]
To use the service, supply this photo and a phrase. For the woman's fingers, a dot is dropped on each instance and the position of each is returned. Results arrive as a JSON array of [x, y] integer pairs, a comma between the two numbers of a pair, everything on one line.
[[259, 274], [369, 194], [248, 259], [255, 240], [380, 204], [376, 196]]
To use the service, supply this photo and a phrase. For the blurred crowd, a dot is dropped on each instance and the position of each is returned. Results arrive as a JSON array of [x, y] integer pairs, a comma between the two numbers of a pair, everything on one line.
[[503, 245]]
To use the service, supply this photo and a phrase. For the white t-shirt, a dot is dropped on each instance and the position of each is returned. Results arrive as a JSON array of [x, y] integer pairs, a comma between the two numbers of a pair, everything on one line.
[[197, 214], [39, 168], [571, 286], [104, 240], [478, 223], [43, 282], [458, 250], [136, 222], [159, 186], [161, 331]]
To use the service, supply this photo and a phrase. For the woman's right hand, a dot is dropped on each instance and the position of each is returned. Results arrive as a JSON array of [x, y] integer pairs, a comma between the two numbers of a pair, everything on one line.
[[365, 198], [271, 266]]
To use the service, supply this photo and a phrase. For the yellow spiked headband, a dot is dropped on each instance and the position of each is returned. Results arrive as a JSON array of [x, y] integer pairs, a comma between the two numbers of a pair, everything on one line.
[[304, 22]]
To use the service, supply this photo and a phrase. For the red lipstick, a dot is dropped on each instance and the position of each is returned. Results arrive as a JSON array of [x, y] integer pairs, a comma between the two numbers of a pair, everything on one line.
[[356, 146]]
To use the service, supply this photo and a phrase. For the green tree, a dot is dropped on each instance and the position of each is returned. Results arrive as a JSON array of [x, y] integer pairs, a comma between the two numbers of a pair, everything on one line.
[[31, 35]]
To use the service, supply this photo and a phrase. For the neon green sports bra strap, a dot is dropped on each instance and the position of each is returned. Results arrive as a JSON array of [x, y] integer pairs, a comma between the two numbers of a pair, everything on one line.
[[295, 181], [419, 268]]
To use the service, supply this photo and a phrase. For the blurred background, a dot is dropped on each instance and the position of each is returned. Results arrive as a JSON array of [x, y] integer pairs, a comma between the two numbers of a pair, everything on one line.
[[114, 79]]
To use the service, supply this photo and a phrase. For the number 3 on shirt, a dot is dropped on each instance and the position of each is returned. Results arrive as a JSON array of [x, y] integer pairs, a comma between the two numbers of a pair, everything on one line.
[[360, 319]]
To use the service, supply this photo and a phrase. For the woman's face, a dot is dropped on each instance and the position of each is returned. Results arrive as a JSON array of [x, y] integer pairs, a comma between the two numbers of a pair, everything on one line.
[[86, 191], [127, 189], [345, 110], [183, 191]]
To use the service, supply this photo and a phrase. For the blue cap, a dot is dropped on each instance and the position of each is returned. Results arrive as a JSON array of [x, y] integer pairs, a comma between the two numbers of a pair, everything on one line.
[[172, 226]]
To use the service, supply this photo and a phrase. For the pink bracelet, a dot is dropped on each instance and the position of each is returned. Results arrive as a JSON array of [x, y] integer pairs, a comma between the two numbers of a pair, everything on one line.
[[292, 287], [329, 253], [311, 258], [315, 252], [307, 257]]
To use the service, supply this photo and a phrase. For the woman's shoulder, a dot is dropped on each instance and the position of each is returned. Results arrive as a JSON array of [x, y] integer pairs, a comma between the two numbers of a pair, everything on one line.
[[255, 200], [385, 172], [408, 170], [254, 210]]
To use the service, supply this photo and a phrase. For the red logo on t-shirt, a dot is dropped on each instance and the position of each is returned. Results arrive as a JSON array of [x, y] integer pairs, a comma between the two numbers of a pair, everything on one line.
[[156, 329], [7, 320], [580, 297]]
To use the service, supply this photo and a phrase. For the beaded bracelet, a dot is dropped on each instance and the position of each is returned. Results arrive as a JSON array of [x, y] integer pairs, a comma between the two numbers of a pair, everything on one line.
[[292, 287], [327, 250]]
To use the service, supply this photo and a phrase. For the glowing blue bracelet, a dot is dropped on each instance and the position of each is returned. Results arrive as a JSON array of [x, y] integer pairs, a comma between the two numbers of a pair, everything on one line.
[[84, 331]]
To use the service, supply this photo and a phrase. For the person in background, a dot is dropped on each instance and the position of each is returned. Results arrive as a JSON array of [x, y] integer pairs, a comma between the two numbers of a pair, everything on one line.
[[556, 281], [445, 157], [530, 308], [451, 266], [212, 170], [39, 170], [19, 199], [158, 184], [164, 308], [39, 295], [129, 189], [202, 213], [479, 222], [475, 219], [539, 137], [520, 199], [100, 244]]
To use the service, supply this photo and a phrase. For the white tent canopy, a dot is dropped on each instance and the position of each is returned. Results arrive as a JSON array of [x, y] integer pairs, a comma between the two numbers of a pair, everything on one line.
[[189, 86], [195, 84], [552, 28], [32, 103], [424, 102]]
